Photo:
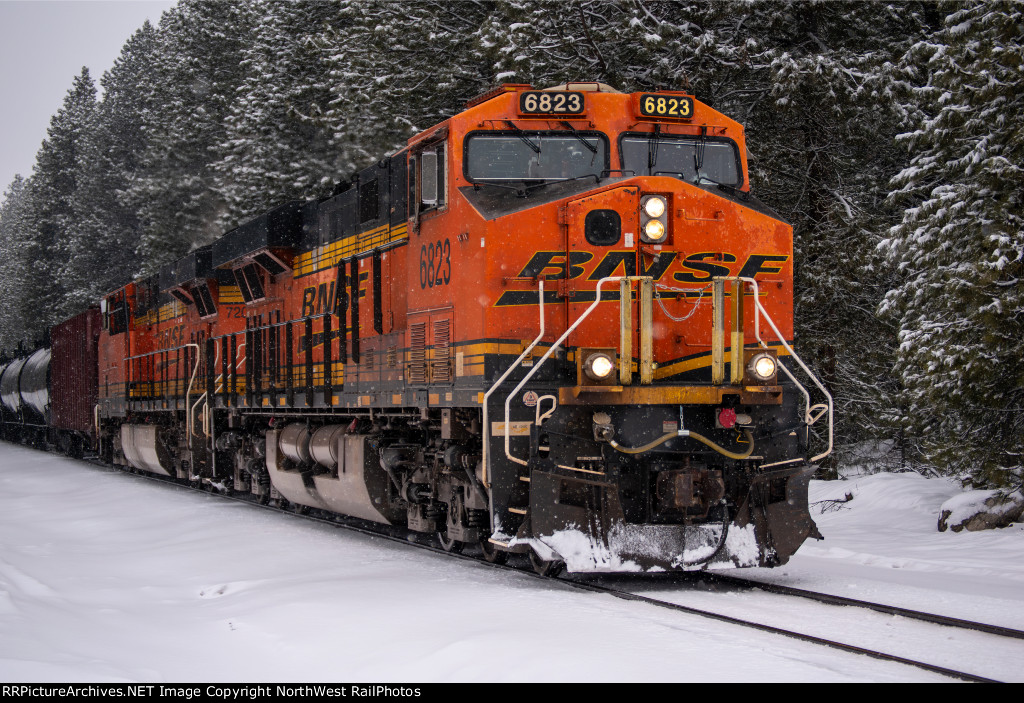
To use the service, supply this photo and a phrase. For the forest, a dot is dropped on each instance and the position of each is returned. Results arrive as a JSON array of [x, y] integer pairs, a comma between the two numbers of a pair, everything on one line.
[[886, 133]]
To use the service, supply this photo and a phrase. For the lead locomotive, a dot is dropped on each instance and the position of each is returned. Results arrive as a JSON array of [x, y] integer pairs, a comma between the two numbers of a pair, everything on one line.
[[557, 323]]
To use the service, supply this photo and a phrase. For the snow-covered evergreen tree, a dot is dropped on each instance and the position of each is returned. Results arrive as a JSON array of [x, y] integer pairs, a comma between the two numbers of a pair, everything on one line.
[[57, 177], [16, 230], [397, 68], [197, 71], [278, 141], [959, 250], [106, 222], [819, 102]]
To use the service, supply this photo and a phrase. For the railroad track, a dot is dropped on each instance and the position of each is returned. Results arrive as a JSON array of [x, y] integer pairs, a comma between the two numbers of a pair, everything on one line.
[[426, 542], [830, 599]]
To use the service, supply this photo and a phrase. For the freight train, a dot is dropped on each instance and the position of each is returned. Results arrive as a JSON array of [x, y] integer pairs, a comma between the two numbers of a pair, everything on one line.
[[556, 324]]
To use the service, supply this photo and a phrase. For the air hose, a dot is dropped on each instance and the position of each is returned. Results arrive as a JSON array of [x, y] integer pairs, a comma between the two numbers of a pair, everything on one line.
[[687, 433]]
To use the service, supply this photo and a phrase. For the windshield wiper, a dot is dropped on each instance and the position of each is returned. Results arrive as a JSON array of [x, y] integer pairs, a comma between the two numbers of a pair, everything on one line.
[[521, 191], [524, 190], [698, 152], [652, 148], [724, 187], [584, 142], [522, 135]]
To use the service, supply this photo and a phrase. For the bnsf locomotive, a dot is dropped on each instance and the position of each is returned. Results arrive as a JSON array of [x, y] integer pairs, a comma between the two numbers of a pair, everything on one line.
[[557, 323]]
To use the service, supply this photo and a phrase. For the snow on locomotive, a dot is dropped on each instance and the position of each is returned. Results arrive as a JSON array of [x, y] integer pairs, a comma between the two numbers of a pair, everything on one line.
[[556, 323]]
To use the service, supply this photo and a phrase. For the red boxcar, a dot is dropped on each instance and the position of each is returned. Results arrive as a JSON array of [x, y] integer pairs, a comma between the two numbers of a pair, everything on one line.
[[73, 372]]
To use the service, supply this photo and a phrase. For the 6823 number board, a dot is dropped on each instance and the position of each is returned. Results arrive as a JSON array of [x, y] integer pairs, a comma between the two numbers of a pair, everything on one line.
[[535, 102]]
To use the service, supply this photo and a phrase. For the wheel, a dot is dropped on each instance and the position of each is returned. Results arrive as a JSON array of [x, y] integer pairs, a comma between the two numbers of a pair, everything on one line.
[[543, 567], [299, 509], [492, 553], [449, 545]]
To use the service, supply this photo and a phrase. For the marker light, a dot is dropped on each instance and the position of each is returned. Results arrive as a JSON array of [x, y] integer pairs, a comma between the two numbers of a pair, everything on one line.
[[654, 230], [598, 366], [763, 366], [655, 207]]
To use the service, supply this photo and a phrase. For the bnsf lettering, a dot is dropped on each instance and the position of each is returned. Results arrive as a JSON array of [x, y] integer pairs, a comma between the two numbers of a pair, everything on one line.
[[696, 262], [544, 260], [317, 300], [694, 268], [757, 264], [612, 262], [171, 337]]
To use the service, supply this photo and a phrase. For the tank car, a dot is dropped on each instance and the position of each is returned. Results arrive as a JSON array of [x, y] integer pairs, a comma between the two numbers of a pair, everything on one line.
[[557, 323]]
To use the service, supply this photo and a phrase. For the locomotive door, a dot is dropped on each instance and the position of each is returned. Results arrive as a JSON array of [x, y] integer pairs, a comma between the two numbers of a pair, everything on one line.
[[602, 240]]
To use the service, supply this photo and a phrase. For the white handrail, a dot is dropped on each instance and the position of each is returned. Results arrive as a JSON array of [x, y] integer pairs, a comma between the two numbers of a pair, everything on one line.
[[757, 333], [547, 355], [494, 387]]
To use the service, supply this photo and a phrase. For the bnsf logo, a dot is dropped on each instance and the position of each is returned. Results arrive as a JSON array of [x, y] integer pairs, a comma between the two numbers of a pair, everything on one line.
[[693, 268]]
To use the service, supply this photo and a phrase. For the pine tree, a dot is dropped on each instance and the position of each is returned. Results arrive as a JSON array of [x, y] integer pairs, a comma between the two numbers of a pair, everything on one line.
[[959, 250], [16, 230], [397, 68], [197, 71], [113, 146], [60, 164], [630, 46], [278, 141]]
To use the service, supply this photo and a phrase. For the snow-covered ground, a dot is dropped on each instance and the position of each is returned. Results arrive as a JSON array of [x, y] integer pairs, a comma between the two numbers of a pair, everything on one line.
[[107, 577]]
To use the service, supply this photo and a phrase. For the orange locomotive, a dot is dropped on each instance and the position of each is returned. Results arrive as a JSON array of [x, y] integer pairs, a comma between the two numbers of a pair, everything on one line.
[[557, 323]]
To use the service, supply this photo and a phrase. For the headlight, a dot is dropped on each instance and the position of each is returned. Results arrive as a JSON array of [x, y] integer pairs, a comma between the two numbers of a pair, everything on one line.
[[763, 366], [654, 219], [655, 207], [598, 366], [654, 230]]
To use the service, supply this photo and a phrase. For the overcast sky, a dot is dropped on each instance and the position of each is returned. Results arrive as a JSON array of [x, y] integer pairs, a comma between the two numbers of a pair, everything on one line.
[[43, 46]]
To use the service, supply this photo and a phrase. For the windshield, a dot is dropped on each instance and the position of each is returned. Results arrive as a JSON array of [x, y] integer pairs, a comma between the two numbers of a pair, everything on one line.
[[520, 156], [648, 155]]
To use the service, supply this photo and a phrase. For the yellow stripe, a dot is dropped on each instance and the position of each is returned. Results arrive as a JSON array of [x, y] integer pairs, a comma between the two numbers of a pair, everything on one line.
[[326, 257], [700, 362], [229, 295]]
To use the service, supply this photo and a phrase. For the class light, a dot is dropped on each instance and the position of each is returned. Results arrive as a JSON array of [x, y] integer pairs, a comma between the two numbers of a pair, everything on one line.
[[764, 366], [598, 366], [655, 207], [654, 230]]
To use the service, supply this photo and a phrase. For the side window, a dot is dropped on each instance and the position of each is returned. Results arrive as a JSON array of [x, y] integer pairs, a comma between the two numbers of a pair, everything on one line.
[[429, 180], [117, 314]]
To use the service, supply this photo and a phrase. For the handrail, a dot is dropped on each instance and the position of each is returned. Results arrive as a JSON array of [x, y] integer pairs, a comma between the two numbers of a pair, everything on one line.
[[760, 310], [586, 313], [496, 384]]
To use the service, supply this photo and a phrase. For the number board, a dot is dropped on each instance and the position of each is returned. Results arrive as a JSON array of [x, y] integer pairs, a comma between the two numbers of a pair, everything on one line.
[[550, 103], [662, 106]]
